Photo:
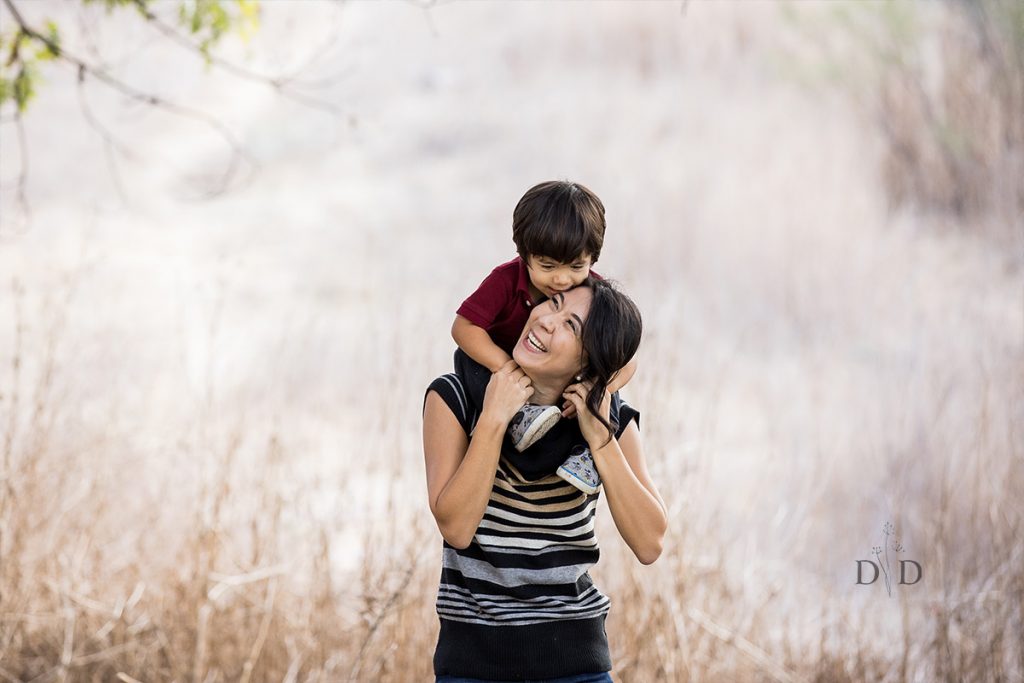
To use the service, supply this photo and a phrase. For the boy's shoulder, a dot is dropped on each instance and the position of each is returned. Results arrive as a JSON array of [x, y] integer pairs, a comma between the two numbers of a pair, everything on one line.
[[495, 299], [507, 276], [509, 270]]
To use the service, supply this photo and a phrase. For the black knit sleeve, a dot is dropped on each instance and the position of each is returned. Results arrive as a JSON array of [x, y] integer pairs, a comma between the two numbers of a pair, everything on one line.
[[451, 390], [625, 413]]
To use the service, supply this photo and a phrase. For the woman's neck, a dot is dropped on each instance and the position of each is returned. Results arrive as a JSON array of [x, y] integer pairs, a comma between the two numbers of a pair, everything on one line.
[[546, 394]]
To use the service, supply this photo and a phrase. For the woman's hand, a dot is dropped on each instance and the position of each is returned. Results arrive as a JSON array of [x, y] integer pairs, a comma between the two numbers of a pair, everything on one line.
[[568, 409], [507, 391], [593, 431]]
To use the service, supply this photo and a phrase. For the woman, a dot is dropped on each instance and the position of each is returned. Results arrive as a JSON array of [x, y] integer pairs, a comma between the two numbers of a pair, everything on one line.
[[516, 600]]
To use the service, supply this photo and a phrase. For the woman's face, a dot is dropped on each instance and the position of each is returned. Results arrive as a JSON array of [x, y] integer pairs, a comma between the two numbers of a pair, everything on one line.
[[551, 347]]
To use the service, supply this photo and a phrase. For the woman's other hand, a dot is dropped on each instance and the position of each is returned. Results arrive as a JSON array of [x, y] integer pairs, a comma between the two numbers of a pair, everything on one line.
[[593, 431], [507, 391], [568, 410]]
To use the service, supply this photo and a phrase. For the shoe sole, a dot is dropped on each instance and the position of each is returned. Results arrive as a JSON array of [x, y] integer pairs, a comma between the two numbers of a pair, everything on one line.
[[581, 484], [538, 429]]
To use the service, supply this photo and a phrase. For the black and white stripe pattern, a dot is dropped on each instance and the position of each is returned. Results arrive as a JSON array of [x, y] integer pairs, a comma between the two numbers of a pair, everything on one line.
[[528, 562]]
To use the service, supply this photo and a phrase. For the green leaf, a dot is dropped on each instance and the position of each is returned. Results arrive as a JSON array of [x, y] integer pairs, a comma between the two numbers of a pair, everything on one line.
[[22, 40], [24, 88], [249, 18], [5, 90], [51, 31], [50, 49], [219, 20], [250, 11]]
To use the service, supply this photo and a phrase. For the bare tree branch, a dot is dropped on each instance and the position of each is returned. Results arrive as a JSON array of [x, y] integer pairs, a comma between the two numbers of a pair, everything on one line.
[[133, 93], [87, 30], [277, 83], [20, 194], [315, 55], [111, 145]]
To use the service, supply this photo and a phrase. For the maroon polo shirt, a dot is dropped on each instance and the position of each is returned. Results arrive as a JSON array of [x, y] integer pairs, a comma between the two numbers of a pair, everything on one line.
[[502, 303]]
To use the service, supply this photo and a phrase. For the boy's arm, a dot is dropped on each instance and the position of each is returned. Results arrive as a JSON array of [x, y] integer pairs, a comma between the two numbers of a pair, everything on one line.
[[623, 376], [477, 344]]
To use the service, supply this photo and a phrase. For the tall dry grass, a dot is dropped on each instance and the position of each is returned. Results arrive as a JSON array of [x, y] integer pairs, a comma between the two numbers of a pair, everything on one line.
[[222, 575], [952, 120], [214, 575], [944, 84]]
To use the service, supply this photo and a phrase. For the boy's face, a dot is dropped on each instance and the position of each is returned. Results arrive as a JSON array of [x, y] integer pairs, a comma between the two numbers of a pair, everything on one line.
[[550, 277]]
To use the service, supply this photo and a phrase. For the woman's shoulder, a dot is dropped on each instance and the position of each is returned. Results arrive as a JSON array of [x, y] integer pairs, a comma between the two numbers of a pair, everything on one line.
[[453, 392], [622, 414]]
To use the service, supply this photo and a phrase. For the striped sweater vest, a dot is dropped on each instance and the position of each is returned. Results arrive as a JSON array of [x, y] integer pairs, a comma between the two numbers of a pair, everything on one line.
[[518, 603]]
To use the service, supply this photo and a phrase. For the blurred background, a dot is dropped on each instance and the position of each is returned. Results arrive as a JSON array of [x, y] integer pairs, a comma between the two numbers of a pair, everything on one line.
[[233, 236]]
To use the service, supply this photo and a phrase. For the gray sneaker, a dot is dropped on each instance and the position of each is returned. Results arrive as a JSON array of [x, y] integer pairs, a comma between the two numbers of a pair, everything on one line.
[[531, 423], [580, 471]]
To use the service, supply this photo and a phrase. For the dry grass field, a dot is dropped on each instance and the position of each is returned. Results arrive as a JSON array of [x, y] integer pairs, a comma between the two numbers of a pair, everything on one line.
[[210, 409]]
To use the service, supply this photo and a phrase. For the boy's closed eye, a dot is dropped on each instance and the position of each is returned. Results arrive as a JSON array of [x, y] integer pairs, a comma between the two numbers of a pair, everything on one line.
[[575, 265]]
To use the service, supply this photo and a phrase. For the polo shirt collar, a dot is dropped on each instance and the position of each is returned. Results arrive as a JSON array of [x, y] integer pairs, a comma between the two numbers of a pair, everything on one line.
[[523, 284]]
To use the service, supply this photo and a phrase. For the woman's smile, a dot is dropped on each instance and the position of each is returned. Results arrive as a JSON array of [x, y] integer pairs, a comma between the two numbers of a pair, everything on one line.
[[533, 344], [550, 349]]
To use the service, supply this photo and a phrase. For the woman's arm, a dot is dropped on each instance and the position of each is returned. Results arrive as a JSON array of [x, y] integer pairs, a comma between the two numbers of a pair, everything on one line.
[[639, 512], [623, 376], [460, 471]]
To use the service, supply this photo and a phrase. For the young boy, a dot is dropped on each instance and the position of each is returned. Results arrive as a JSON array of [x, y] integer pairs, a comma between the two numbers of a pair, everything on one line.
[[558, 229]]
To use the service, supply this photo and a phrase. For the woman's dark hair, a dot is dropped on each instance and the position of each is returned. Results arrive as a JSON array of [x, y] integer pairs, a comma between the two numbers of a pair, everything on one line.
[[560, 220], [611, 335]]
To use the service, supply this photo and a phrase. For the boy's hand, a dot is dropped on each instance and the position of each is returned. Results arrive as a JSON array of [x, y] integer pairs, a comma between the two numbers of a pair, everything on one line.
[[507, 391]]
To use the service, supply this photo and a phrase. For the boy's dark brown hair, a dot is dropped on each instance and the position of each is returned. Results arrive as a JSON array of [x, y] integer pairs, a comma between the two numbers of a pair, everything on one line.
[[560, 220]]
